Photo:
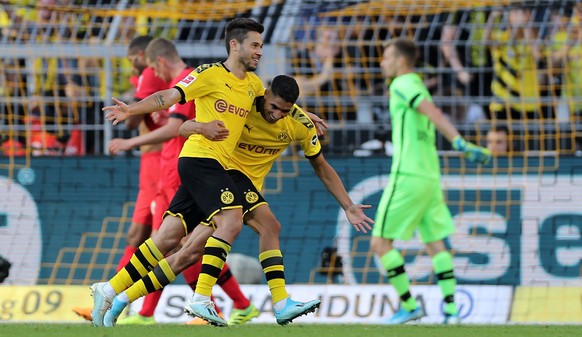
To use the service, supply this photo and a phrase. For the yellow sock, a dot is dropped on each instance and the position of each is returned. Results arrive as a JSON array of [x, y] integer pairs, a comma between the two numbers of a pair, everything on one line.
[[272, 262], [161, 276], [213, 260], [143, 260]]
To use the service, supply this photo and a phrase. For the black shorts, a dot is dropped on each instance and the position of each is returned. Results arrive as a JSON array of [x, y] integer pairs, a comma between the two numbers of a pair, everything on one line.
[[184, 207], [251, 198], [210, 188]]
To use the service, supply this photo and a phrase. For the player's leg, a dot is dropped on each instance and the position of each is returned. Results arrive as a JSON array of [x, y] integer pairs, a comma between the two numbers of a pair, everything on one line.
[[400, 209], [436, 226], [137, 234], [217, 196], [145, 259], [164, 273], [243, 310], [261, 219], [264, 222], [181, 218], [214, 258], [228, 224], [161, 203], [141, 225]]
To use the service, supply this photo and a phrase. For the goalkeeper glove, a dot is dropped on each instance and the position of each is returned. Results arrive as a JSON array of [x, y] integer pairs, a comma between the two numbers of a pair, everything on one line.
[[471, 151]]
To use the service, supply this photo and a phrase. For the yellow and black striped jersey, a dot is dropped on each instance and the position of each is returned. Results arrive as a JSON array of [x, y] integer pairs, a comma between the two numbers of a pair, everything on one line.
[[262, 142], [219, 95], [516, 75]]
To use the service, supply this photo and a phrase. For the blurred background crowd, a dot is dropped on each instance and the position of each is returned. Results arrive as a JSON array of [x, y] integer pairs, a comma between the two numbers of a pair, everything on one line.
[[513, 66]]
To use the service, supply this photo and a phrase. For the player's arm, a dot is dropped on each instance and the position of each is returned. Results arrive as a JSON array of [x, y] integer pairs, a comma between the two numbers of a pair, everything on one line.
[[159, 135], [335, 186], [471, 151], [213, 130], [160, 100], [133, 122], [437, 116]]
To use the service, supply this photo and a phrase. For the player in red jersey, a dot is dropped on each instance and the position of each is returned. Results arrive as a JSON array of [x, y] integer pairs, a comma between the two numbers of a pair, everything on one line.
[[146, 83]]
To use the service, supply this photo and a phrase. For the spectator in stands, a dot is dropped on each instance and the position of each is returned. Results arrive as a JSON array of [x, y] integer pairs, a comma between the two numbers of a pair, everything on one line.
[[360, 57], [516, 53], [565, 41], [320, 72], [325, 53], [62, 90], [462, 46], [498, 140]]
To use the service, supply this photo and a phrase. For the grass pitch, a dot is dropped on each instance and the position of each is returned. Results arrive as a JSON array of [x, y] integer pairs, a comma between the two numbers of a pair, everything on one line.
[[293, 330]]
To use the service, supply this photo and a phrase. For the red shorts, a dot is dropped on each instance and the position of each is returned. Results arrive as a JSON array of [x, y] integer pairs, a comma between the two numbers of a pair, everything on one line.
[[149, 176], [167, 187]]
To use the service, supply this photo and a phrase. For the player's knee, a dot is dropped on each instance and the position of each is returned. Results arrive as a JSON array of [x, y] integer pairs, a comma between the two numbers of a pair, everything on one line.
[[190, 254], [230, 226], [270, 231], [166, 243], [137, 235], [233, 230], [379, 246]]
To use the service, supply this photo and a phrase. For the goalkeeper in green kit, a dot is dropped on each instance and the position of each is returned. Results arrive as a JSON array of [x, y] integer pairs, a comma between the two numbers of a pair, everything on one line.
[[413, 199]]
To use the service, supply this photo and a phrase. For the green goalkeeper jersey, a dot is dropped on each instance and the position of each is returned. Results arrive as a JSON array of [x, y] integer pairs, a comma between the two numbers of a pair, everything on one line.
[[413, 134]]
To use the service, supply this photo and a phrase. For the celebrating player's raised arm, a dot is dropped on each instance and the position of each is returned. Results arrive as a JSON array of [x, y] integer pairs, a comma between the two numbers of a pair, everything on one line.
[[334, 185], [160, 100]]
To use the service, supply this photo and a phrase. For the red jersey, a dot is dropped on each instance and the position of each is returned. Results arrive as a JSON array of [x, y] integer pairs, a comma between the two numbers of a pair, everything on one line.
[[171, 149], [147, 84], [134, 80]]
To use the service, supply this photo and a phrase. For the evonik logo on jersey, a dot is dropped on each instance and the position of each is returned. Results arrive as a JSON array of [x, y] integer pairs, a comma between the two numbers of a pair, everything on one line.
[[258, 148], [222, 106]]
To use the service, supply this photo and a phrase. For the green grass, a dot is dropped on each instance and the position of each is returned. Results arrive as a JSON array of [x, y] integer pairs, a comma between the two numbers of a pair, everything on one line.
[[293, 330]]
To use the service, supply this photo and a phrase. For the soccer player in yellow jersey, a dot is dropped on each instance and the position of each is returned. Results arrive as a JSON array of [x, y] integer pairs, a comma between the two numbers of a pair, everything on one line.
[[222, 91], [268, 132], [265, 136], [204, 180]]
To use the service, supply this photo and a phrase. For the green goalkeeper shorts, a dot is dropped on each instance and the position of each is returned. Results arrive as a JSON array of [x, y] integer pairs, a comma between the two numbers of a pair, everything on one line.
[[409, 203]]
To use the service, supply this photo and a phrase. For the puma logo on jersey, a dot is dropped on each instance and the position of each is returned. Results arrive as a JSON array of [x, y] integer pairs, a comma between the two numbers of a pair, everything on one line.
[[249, 127], [228, 86]]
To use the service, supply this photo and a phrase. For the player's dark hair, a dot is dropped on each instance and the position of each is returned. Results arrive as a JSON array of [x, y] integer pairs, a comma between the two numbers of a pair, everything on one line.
[[404, 47], [285, 87], [238, 28], [139, 43]]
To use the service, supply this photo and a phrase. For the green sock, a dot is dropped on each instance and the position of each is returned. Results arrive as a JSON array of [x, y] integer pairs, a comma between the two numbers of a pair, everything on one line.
[[443, 269], [394, 265]]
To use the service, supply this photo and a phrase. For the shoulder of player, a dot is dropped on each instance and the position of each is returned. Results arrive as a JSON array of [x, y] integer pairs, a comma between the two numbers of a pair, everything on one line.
[[149, 76], [300, 125], [209, 68], [407, 82]]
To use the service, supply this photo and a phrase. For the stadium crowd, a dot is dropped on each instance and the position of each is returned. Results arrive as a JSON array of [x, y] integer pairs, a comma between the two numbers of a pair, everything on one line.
[[516, 62]]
